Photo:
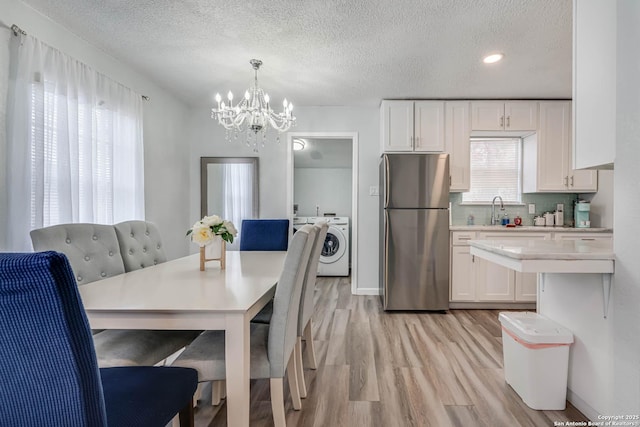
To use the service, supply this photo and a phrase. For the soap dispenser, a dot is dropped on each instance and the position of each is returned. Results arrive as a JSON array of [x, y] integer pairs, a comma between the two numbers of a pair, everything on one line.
[[505, 219]]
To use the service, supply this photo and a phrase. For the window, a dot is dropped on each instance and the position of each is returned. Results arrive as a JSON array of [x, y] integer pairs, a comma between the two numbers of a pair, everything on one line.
[[496, 170], [74, 145]]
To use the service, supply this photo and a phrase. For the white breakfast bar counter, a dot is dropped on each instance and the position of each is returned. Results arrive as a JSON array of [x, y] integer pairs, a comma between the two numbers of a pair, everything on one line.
[[574, 282]]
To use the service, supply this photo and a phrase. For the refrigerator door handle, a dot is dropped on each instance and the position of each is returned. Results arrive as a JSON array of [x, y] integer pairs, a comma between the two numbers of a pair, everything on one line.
[[386, 252], [386, 182]]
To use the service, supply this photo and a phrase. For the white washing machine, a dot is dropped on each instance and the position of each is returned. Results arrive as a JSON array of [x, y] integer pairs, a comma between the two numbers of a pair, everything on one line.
[[334, 259], [298, 222]]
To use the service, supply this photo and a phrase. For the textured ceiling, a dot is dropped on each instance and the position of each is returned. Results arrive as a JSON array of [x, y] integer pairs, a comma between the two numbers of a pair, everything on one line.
[[333, 52]]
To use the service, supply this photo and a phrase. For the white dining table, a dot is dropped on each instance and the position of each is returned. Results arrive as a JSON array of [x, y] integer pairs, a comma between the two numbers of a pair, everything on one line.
[[177, 295]]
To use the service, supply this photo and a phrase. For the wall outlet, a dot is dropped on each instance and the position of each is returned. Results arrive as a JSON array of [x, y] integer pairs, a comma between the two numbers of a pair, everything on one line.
[[373, 190], [532, 208], [560, 207]]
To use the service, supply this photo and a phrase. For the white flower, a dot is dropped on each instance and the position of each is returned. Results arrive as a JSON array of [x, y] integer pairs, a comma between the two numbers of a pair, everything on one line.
[[230, 228], [201, 234], [212, 220]]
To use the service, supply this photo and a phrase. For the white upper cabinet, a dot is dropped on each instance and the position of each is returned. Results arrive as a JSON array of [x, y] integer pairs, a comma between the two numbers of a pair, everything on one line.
[[397, 125], [504, 115], [457, 134], [548, 165], [412, 126], [594, 82]]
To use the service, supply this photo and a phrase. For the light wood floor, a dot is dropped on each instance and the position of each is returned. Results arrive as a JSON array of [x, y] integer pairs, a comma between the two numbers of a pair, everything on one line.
[[398, 369]]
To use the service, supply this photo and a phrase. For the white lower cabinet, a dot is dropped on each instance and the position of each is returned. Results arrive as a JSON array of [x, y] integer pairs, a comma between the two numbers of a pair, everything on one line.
[[497, 283], [477, 280], [463, 286], [584, 236], [526, 286], [493, 282]]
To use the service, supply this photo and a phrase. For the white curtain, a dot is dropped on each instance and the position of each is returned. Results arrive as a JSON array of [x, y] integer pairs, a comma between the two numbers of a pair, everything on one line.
[[237, 194], [74, 144]]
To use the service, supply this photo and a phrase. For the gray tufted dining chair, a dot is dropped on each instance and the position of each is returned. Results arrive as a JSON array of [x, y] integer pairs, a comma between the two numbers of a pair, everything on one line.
[[305, 324], [92, 249], [94, 254], [271, 345], [140, 244]]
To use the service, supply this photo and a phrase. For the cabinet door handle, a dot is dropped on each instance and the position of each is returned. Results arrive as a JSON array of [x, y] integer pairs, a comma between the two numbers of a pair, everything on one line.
[[473, 258], [587, 238], [464, 238], [508, 121], [417, 141], [572, 180], [502, 121], [566, 181]]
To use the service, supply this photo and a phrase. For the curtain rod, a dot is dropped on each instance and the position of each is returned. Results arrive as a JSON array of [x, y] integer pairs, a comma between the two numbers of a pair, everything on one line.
[[17, 30]]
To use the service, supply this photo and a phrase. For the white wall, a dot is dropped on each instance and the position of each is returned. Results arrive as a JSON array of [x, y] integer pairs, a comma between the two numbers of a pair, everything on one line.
[[5, 36], [327, 188], [575, 302], [626, 289], [165, 144], [208, 139], [601, 214]]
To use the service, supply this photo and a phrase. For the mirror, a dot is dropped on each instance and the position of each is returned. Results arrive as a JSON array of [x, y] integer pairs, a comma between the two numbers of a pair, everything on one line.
[[229, 188]]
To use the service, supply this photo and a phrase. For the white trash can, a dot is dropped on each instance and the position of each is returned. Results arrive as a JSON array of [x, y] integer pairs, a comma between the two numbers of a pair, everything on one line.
[[536, 359]]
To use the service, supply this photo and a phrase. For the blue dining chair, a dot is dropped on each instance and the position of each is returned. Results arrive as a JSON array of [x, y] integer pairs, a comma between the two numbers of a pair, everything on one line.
[[264, 235], [49, 371]]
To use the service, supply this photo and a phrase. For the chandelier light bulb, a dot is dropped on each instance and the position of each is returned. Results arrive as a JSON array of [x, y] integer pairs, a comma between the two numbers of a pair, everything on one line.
[[230, 96], [246, 95], [266, 98], [218, 98], [222, 105], [284, 103]]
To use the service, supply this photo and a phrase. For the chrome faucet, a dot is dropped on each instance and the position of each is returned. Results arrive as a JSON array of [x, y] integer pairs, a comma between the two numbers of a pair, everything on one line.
[[495, 220]]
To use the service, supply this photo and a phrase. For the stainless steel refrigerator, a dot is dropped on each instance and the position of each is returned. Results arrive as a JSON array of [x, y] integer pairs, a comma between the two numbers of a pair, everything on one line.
[[414, 231]]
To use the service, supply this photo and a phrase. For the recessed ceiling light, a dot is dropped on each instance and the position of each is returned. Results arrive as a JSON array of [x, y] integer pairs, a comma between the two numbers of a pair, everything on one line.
[[494, 57], [298, 144]]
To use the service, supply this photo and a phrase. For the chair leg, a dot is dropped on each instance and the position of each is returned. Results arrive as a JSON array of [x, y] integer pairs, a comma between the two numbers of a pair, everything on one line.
[[216, 392], [311, 352], [277, 401], [186, 416], [297, 352], [198, 394], [293, 382]]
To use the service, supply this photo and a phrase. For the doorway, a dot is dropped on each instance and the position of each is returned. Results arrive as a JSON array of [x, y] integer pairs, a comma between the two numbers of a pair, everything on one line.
[[322, 180]]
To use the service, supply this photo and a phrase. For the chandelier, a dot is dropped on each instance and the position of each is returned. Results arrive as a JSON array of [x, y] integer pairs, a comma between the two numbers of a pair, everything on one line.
[[253, 114]]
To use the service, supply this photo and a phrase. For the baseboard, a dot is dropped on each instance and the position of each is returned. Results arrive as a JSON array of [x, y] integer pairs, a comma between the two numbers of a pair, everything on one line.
[[582, 406], [368, 291], [494, 305]]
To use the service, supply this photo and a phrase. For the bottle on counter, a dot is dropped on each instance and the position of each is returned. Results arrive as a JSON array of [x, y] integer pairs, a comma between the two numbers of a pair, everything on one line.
[[559, 218], [505, 219], [549, 219], [470, 219]]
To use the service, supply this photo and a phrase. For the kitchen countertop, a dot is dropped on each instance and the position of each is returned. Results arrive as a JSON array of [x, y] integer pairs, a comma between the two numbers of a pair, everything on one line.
[[552, 256], [528, 228], [547, 249]]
